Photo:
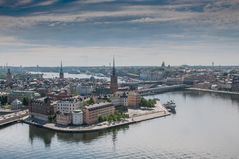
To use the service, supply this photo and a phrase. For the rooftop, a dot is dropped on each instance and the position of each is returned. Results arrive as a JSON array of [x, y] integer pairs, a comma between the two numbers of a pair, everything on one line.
[[99, 105]]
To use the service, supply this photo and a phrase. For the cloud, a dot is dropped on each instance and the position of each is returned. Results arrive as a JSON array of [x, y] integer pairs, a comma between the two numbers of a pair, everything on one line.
[[46, 3], [141, 28], [216, 12], [96, 1]]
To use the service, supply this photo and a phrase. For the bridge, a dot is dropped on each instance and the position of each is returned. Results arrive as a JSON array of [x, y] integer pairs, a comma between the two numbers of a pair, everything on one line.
[[13, 117], [161, 89], [142, 83]]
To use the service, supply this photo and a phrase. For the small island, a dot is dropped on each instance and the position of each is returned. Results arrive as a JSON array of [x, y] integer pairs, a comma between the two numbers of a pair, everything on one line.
[[98, 116]]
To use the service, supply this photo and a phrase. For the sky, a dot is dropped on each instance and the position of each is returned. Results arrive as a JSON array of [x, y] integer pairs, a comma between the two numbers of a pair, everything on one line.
[[136, 32]]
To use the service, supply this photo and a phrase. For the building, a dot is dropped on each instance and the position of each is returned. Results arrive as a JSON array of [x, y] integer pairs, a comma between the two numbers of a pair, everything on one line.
[[67, 111], [93, 112], [151, 76], [77, 117], [69, 105], [59, 95], [63, 118], [114, 79], [235, 83], [41, 109], [84, 90], [133, 99], [16, 104], [120, 99], [9, 77], [61, 75], [19, 94]]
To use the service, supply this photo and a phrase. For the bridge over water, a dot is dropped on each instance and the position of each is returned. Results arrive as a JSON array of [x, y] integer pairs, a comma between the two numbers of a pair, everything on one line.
[[161, 89], [13, 117]]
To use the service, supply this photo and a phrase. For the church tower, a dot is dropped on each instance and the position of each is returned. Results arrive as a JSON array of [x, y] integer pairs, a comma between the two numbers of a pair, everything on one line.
[[114, 79], [9, 77], [61, 72]]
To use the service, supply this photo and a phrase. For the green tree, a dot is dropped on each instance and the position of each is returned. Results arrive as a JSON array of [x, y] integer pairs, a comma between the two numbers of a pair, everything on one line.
[[3, 100], [90, 101], [25, 101]]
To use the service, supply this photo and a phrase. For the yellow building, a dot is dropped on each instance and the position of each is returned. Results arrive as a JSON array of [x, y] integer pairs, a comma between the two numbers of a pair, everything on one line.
[[133, 99]]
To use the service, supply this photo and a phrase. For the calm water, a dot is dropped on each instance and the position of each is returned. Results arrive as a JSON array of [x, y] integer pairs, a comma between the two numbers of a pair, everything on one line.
[[205, 126]]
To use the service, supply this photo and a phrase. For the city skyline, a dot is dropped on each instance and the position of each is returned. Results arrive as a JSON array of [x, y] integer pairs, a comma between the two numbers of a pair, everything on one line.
[[90, 32]]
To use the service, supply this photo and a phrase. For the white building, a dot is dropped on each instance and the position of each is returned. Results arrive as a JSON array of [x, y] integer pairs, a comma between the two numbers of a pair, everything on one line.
[[69, 105], [16, 104], [151, 76], [120, 99], [77, 117], [84, 90]]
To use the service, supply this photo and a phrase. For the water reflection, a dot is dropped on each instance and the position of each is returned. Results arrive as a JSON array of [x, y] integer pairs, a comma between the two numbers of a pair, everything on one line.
[[198, 94], [39, 133], [47, 135]]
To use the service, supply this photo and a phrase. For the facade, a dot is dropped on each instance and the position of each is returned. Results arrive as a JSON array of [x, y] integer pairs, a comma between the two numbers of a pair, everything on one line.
[[68, 105], [63, 118], [93, 112], [41, 108], [151, 76], [114, 79], [19, 94], [235, 83], [16, 104], [77, 117], [84, 90], [120, 99], [133, 99]]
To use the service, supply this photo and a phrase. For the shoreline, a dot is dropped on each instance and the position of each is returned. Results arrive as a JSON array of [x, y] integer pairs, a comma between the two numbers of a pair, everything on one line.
[[158, 112], [96, 127], [212, 91]]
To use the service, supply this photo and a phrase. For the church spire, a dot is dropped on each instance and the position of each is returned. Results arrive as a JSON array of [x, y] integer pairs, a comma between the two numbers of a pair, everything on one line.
[[114, 71], [114, 80], [61, 71]]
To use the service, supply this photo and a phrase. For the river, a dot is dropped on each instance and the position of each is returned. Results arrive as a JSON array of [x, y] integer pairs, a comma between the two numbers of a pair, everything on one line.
[[206, 125]]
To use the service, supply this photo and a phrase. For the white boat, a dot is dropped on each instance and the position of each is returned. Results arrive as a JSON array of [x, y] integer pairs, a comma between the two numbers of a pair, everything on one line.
[[170, 105]]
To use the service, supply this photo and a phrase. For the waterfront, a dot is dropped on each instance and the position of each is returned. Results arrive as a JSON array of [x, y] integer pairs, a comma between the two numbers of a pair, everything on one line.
[[205, 126]]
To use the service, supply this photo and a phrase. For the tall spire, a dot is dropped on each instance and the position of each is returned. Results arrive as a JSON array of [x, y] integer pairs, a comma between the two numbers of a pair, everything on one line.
[[113, 79], [8, 71], [61, 71], [113, 72]]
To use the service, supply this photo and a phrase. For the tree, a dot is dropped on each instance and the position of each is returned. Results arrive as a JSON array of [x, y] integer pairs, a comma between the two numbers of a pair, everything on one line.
[[163, 64], [91, 101], [147, 103], [25, 101], [3, 100]]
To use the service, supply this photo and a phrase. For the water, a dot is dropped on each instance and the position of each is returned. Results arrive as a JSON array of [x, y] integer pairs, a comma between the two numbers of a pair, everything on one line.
[[205, 126]]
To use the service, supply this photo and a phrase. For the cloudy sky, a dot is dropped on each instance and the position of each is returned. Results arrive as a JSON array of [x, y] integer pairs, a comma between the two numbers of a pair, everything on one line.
[[136, 32]]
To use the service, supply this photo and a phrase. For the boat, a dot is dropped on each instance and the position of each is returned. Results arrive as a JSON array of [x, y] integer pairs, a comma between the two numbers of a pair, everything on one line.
[[170, 105]]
